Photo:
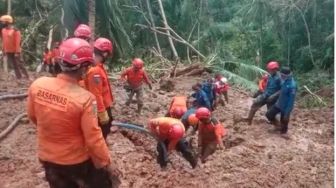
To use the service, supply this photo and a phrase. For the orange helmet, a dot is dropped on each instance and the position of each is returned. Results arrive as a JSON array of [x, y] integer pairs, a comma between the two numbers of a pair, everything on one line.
[[193, 120], [177, 112], [83, 31], [272, 65], [203, 113], [176, 131], [137, 63], [6, 18]]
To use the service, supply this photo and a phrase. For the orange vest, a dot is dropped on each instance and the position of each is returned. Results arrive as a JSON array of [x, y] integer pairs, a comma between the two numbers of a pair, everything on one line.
[[211, 132], [135, 78], [178, 102], [96, 81], [66, 120], [11, 39], [161, 126]]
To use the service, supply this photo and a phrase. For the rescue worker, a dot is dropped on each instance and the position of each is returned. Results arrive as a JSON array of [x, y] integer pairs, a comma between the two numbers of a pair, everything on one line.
[[97, 82], [135, 76], [210, 133], [169, 132], [284, 105], [221, 89], [11, 46], [270, 94], [261, 85], [201, 98], [83, 31], [177, 107], [47, 56], [71, 146], [55, 69]]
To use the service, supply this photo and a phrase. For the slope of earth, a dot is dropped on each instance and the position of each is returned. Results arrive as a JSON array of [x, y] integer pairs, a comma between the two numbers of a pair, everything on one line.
[[253, 157]]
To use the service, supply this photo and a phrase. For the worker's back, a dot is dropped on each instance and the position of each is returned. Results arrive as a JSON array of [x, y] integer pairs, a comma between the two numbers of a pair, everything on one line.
[[56, 105]]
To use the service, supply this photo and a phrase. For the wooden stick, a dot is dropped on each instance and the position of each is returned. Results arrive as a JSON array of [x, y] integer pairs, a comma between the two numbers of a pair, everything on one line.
[[313, 94], [4, 133], [13, 96]]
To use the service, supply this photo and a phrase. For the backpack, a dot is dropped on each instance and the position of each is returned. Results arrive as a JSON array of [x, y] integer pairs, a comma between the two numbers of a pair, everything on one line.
[[208, 88]]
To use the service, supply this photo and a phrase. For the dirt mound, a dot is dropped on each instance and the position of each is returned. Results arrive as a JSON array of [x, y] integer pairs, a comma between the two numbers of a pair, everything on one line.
[[253, 157]]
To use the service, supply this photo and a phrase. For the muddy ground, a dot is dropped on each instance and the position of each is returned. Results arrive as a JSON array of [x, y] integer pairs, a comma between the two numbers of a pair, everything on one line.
[[253, 157]]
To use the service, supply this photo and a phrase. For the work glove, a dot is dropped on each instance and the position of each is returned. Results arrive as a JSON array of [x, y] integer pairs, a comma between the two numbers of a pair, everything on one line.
[[103, 117], [150, 86]]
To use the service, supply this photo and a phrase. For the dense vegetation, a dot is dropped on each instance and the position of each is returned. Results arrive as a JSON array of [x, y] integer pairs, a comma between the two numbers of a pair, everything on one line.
[[237, 37]]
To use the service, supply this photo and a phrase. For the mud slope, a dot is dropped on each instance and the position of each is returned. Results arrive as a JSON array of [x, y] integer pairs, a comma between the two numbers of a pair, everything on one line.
[[253, 156]]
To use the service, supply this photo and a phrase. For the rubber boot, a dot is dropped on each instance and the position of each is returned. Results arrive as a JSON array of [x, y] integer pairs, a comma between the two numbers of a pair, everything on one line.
[[250, 116]]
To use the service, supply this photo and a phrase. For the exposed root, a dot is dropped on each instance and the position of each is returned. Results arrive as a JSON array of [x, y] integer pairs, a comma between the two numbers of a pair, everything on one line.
[[4, 133]]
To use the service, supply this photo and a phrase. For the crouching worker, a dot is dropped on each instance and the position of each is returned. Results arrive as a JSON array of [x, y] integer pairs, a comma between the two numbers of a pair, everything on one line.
[[71, 146], [177, 107], [170, 132], [221, 89], [210, 133], [284, 105]]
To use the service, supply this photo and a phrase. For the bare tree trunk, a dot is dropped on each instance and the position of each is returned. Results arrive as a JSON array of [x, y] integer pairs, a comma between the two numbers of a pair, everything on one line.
[[4, 57], [167, 31], [153, 25], [9, 7], [92, 14]]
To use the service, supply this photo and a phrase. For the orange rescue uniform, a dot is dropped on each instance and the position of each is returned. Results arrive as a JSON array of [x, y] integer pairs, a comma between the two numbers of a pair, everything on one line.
[[262, 84], [211, 132], [96, 81], [178, 102], [66, 119], [161, 126], [135, 78], [11, 40]]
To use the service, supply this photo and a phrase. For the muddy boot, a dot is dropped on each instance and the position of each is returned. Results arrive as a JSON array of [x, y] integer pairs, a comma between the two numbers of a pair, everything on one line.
[[250, 116]]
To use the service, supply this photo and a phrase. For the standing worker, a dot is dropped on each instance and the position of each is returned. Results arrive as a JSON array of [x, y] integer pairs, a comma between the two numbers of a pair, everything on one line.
[[97, 82], [269, 96], [210, 133], [201, 97], [135, 76], [71, 146], [83, 31], [284, 105], [11, 46], [170, 133]]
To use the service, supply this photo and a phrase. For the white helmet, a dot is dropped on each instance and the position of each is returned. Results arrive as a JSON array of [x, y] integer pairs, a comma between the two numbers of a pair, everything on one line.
[[223, 80]]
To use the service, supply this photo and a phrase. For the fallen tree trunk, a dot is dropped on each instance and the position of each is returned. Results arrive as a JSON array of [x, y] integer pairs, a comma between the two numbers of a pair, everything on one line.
[[13, 96], [4, 133], [187, 69]]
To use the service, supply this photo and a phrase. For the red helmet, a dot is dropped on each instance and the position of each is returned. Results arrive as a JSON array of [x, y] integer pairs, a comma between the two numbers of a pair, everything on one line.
[[137, 63], [272, 65], [203, 113], [103, 44], [75, 52], [83, 31], [176, 131], [177, 112], [193, 120]]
